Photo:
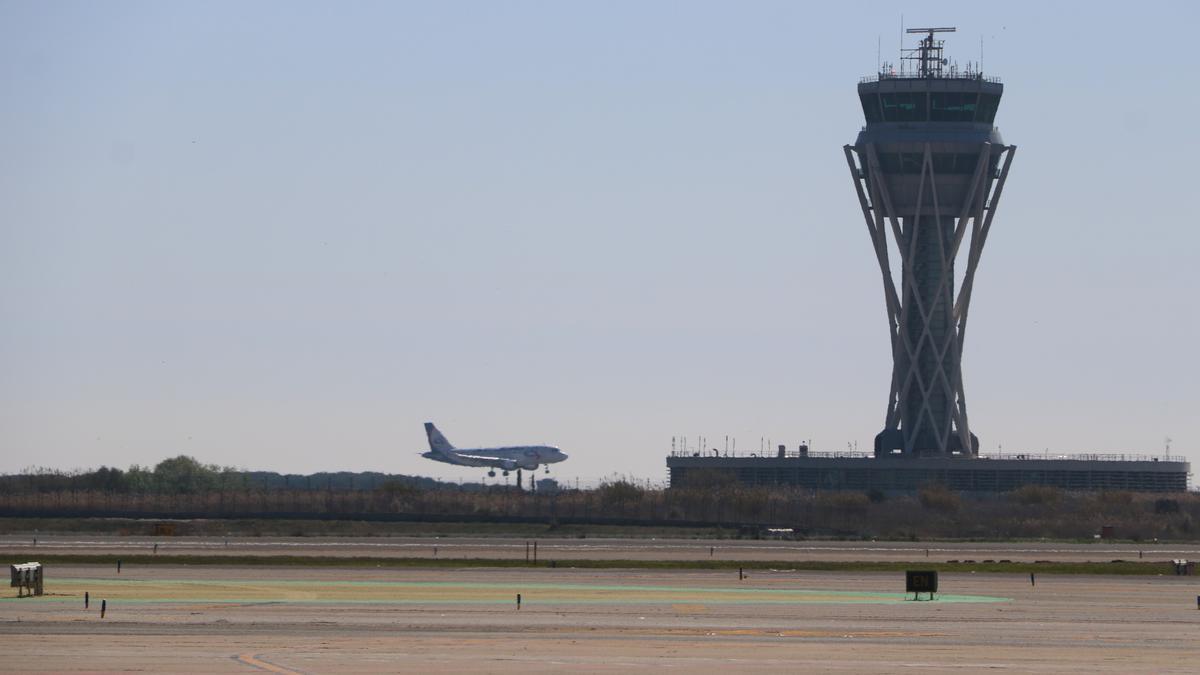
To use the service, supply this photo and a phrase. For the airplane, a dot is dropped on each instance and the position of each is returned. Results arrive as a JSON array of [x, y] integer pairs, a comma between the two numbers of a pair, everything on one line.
[[506, 459]]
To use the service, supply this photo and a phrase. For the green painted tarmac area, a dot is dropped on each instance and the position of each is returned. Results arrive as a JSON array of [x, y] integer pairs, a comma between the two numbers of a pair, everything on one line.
[[244, 591]]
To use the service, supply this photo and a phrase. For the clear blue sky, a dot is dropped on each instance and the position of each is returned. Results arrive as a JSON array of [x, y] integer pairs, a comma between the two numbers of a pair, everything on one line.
[[282, 235]]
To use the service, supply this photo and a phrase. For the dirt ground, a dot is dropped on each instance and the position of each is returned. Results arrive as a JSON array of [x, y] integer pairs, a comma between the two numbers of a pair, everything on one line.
[[596, 549], [295, 619]]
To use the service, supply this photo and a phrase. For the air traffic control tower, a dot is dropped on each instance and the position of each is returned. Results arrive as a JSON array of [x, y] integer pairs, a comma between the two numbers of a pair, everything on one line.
[[929, 167]]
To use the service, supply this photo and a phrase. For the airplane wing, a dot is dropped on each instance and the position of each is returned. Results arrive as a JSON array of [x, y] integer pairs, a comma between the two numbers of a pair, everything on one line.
[[485, 458]]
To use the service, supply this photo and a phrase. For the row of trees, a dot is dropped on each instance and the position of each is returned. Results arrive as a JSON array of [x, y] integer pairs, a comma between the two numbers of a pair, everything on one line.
[[185, 475], [184, 487]]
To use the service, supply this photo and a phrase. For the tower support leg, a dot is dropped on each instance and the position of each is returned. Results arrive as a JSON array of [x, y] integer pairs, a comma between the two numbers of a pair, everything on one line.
[[926, 411]]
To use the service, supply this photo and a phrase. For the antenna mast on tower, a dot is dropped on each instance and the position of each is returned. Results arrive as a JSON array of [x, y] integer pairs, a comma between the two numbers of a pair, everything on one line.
[[928, 52]]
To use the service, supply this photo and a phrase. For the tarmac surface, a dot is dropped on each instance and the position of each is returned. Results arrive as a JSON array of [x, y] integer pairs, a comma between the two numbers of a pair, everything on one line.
[[507, 548], [177, 618]]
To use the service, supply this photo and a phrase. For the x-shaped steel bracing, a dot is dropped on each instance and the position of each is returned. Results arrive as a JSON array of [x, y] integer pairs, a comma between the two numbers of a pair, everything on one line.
[[906, 310]]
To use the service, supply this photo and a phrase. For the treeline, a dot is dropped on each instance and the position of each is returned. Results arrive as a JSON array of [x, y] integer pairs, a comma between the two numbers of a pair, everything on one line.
[[933, 513], [185, 475]]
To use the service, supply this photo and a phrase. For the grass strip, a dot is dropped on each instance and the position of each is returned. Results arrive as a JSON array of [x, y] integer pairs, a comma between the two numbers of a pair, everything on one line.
[[1128, 568]]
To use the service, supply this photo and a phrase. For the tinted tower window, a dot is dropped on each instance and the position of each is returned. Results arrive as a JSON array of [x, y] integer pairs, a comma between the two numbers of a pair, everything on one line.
[[952, 107], [987, 108], [870, 104], [903, 107]]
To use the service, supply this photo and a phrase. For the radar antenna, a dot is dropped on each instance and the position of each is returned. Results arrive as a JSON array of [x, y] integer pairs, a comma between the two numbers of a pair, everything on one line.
[[928, 53]]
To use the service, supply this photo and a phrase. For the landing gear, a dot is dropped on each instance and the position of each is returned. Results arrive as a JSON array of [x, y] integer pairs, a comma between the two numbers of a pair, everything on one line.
[[506, 474], [492, 474], [520, 484]]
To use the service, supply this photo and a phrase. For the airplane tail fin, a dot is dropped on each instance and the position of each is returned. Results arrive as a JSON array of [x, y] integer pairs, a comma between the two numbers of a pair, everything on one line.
[[437, 442]]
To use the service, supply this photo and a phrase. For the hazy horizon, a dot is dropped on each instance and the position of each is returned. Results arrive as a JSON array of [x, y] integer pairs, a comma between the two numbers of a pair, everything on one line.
[[281, 236]]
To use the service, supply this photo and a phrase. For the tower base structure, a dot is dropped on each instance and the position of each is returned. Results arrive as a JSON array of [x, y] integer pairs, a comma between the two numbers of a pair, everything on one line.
[[890, 443], [849, 471]]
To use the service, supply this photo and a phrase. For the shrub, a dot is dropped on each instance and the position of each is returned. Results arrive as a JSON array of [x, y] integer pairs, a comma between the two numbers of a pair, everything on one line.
[[1118, 498], [1030, 495], [1164, 506], [939, 498], [845, 503], [619, 493], [399, 489]]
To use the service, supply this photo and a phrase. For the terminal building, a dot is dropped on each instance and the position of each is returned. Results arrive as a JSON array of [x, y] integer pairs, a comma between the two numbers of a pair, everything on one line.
[[928, 168]]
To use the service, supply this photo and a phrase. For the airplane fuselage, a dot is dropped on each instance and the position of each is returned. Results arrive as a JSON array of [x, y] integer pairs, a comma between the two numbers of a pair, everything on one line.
[[507, 458]]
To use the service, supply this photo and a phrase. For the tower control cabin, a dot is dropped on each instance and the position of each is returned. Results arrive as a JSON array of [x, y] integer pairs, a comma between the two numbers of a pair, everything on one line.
[[928, 167]]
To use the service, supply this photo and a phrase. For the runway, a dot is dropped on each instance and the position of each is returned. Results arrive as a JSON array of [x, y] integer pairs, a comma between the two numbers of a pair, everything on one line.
[[211, 618], [244, 589], [551, 548]]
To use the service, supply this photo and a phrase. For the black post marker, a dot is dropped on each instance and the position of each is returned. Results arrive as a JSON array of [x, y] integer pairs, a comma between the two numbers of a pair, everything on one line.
[[86, 598], [1032, 582], [740, 574], [535, 553], [118, 567], [435, 551], [103, 607], [518, 601], [156, 548], [710, 550]]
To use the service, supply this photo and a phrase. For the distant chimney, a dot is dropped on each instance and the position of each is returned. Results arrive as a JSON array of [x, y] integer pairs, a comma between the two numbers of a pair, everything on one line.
[[782, 451]]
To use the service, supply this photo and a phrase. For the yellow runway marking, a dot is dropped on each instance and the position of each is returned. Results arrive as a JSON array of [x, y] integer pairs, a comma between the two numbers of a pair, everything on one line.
[[253, 661]]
